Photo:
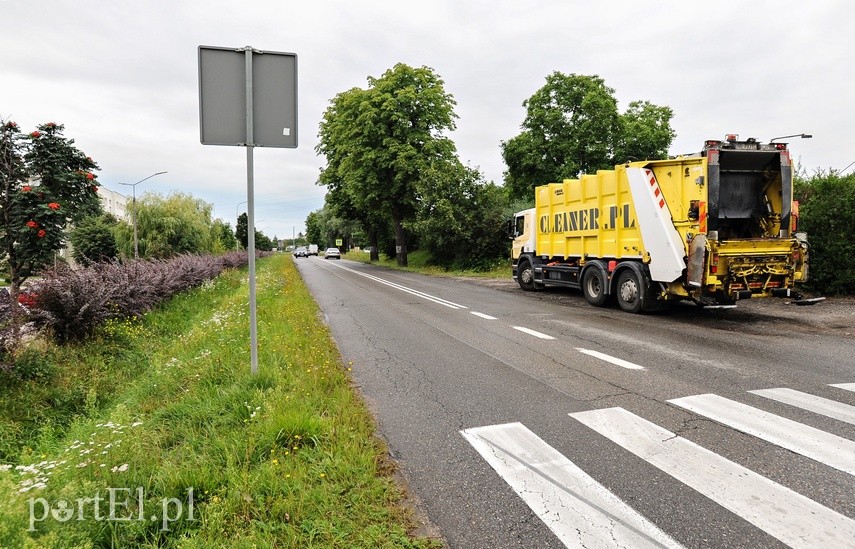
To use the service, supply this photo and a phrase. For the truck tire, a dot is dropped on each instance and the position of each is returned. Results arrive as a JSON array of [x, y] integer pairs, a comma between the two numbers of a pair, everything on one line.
[[632, 291], [525, 275], [594, 286]]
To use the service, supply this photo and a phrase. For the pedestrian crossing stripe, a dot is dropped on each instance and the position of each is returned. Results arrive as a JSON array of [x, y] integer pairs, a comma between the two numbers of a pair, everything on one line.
[[818, 405], [579, 510], [582, 512], [823, 447], [781, 512]]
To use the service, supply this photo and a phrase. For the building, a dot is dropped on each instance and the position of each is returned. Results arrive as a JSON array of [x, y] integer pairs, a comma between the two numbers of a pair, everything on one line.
[[116, 204]]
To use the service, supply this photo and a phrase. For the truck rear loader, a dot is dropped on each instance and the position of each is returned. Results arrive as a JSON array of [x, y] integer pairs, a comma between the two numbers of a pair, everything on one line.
[[712, 227]]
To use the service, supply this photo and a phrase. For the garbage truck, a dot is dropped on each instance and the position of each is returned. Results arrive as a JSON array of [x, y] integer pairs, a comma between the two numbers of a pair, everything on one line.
[[713, 227]]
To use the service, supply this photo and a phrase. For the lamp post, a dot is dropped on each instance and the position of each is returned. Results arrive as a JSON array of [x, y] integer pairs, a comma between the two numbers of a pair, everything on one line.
[[801, 135], [134, 211]]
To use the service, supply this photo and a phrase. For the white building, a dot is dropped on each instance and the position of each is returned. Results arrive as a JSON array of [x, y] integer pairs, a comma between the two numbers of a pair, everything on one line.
[[115, 203]]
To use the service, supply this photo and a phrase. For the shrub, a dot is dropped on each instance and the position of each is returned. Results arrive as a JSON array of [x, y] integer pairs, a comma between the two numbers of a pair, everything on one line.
[[93, 240], [827, 215], [74, 303]]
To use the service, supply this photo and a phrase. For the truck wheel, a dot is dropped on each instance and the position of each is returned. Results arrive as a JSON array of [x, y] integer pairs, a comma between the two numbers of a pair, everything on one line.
[[525, 275], [594, 286], [631, 291]]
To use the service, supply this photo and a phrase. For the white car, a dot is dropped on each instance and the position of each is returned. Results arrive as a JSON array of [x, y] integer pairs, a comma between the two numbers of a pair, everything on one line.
[[332, 253]]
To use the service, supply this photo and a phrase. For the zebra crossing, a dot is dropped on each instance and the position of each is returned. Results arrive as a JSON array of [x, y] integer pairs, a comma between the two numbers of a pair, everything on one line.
[[582, 512]]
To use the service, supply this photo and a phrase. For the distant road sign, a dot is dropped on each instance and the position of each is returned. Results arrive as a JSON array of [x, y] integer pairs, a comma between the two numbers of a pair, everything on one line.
[[339, 241], [223, 93]]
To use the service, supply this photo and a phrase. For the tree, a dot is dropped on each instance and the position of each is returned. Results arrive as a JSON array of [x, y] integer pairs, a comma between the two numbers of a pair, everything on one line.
[[171, 225], [241, 231], [572, 126], [45, 183], [222, 236], [314, 227], [92, 240], [645, 132], [380, 143], [462, 221], [262, 242]]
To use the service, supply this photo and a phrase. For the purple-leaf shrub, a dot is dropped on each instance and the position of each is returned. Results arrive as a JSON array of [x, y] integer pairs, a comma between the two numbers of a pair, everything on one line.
[[73, 303]]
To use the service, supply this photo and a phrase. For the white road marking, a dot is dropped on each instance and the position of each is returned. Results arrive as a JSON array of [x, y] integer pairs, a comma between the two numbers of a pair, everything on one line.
[[826, 448], [482, 315], [532, 332], [784, 514], [846, 386], [406, 289], [579, 511], [811, 403], [608, 358]]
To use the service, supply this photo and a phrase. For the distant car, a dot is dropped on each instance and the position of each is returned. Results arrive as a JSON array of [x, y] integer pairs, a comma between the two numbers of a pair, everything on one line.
[[301, 251], [313, 249], [332, 253]]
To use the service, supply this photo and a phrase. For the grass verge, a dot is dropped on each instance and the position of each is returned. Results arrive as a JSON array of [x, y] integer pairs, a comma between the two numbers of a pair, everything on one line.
[[166, 440]]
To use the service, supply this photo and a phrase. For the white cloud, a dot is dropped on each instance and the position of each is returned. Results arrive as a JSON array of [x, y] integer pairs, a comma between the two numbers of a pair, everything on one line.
[[122, 76]]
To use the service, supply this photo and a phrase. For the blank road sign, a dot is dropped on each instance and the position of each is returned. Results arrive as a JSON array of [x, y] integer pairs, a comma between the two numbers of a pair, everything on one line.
[[222, 97]]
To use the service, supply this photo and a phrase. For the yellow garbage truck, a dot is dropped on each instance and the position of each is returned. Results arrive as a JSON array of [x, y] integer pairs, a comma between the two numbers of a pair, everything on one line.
[[713, 227]]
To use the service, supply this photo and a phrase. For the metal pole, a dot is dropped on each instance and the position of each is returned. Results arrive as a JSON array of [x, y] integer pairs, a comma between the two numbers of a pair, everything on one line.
[[250, 215], [134, 211], [136, 242]]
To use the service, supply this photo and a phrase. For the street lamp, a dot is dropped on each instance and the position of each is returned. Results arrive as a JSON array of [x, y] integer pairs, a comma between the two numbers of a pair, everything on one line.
[[134, 212], [801, 135]]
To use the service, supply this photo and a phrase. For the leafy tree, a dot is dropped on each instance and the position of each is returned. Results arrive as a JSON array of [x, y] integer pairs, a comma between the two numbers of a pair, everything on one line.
[[222, 236], [827, 215], [241, 231], [45, 183], [169, 226], [462, 221], [645, 132], [381, 142], [262, 242], [314, 227], [92, 240], [572, 126]]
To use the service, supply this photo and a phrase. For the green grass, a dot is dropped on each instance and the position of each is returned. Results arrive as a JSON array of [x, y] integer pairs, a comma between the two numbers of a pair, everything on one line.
[[157, 410], [419, 262]]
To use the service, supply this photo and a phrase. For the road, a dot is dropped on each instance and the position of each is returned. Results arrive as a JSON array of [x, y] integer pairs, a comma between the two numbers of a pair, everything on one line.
[[535, 420]]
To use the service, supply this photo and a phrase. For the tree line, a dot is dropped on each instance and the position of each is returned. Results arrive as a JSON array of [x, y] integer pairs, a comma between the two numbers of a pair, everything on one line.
[[395, 180]]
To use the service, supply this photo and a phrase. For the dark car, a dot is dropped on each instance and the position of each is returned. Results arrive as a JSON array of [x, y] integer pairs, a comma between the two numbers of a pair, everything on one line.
[[332, 253], [301, 252]]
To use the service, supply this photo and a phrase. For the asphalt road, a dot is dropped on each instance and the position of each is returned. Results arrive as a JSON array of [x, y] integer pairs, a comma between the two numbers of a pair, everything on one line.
[[535, 420]]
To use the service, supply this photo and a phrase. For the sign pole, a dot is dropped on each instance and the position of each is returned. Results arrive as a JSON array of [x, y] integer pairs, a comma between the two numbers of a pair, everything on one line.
[[261, 113], [250, 215]]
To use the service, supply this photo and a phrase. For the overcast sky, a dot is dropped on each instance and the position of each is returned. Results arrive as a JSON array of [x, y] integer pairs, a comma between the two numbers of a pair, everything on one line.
[[123, 77]]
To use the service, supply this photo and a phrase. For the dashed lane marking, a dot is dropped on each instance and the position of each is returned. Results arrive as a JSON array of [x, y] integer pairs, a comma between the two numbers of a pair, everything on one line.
[[614, 360], [532, 332]]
